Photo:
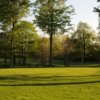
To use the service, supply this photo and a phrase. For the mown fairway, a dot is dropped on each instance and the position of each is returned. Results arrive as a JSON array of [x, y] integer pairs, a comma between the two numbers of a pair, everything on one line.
[[50, 84]]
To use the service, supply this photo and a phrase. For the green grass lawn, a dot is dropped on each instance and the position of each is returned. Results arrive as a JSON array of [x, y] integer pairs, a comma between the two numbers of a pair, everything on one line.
[[50, 84]]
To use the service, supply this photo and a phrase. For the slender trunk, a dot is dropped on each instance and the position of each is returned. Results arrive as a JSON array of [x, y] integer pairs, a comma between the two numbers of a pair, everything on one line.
[[84, 49], [20, 56], [51, 40], [50, 7], [12, 59], [11, 51], [23, 56], [50, 56], [64, 59], [25, 51], [5, 59]]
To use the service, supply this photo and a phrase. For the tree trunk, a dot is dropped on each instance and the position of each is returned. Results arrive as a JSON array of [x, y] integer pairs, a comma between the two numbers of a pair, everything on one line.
[[11, 51], [5, 59], [51, 36], [50, 56], [84, 49], [12, 61]]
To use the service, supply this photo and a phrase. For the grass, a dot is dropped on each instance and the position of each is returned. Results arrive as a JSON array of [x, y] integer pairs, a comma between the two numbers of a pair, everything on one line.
[[50, 84]]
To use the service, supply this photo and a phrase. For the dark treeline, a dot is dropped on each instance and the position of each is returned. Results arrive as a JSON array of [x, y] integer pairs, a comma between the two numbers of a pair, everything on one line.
[[20, 44]]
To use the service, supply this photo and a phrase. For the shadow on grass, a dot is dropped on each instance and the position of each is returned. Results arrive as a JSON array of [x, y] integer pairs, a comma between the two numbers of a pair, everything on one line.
[[51, 84], [75, 65], [29, 80]]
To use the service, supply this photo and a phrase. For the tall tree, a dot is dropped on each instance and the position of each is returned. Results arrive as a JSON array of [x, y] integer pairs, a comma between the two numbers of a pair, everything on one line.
[[11, 11], [52, 18], [83, 37]]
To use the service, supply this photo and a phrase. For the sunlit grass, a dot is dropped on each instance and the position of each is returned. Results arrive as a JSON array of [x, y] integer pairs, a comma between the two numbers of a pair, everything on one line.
[[50, 71], [50, 84]]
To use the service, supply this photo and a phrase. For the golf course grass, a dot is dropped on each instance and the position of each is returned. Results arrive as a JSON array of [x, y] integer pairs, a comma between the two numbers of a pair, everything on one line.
[[50, 84]]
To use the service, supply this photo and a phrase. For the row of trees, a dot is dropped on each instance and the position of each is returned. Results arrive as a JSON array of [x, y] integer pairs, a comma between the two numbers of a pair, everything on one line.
[[82, 45], [20, 42]]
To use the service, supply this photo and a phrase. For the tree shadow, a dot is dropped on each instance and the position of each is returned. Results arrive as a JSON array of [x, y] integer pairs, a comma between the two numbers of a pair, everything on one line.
[[30, 80]]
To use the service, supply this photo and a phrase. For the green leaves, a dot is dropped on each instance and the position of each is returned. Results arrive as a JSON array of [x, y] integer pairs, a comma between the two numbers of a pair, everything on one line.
[[13, 10], [49, 15]]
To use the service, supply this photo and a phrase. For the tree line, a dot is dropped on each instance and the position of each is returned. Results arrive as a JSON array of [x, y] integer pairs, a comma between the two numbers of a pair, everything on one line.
[[20, 43]]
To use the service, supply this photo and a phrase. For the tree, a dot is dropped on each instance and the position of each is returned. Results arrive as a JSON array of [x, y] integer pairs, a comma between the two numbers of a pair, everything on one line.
[[25, 33], [82, 38], [11, 11], [52, 18]]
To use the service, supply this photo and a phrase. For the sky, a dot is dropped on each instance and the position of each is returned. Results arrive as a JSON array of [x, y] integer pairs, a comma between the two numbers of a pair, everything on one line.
[[84, 12]]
